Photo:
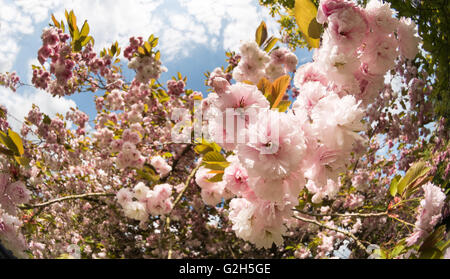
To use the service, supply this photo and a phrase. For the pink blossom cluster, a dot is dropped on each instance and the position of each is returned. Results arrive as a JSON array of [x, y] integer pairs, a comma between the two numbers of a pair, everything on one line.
[[219, 80], [56, 48], [256, 63], [430, 213], [212, 193], [11, 195], [141, 202], [3, 118], [69, 70], [9, 80], [161, 166], [147, 67], [316, 139], [79, 118], [175, 88], [129, 156]]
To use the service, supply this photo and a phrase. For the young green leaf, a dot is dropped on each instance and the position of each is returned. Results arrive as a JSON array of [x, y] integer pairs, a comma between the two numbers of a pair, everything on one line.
[[270, 43], [280, 86], [84, 29], [261, 34], [17, 141], [416, 171], [393, 186], [305, 11], [8, 142]]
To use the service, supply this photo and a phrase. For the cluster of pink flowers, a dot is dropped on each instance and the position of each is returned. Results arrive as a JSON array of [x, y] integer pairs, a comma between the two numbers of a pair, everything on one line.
[[11, 195], [141, 202], [79, 118], [147, 67], [430, 213], [129, 156], [56, 48], [211, 192], [3, 118], [256, 64], [175, 88], [9, 80], [161, 166], [312, 143]]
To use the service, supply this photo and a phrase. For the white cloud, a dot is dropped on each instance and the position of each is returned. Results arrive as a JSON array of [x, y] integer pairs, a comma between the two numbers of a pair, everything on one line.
[[19, 104], [13, 24], [182, 25], [232, 21]]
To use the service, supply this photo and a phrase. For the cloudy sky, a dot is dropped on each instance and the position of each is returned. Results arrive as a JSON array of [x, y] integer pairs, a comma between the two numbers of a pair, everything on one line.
[[194, 35]]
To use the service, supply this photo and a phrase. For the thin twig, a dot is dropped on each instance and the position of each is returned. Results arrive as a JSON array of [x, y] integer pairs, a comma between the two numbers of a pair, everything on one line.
[[175, 163], [177, 200], [349, 234], [73, 197], [401, 221], [353, 214]]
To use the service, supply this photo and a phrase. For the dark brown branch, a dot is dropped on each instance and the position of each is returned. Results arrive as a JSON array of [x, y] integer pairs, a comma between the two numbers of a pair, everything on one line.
[[73, 197], [346, 233]]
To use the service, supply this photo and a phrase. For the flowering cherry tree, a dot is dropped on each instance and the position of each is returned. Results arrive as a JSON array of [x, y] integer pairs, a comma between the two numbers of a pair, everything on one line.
[[277, 160]]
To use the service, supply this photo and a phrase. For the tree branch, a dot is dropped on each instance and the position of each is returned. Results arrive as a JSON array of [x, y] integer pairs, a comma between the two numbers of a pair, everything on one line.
[[353, 214], [175, 163], [349, 234], [177, 200], [73, 197]]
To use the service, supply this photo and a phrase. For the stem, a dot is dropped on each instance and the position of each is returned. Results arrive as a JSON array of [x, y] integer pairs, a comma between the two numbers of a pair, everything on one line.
[[186, 184], [177, 200], [73, 197], [175, 162], [362, 215], [401, 221], [349, 234]]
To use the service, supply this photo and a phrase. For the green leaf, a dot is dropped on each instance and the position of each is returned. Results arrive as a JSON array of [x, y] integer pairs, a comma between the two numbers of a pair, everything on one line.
[[87, 40], [205, 147], [261, 33], [305, 11], [8, 142], [443, 245], [416, 171], [270, 43], [202, 149], [216, 178], [397, 251], [17, 141], [23, 161], [314, 29], [154, 42], [147, 47], [283, 105], [214, 156], [55, 22], [280, 86], [84, 29], [265, 86], [220, 166], [6, 152], [431, 253], [141, 51], [167, 155], [433, 239], [393, 188], [77, 45], [215, 161]]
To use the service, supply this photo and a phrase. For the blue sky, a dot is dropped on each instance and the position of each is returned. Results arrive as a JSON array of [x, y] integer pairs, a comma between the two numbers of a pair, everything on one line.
[[194, 35]]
